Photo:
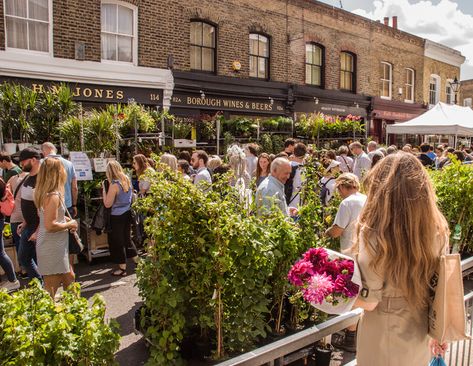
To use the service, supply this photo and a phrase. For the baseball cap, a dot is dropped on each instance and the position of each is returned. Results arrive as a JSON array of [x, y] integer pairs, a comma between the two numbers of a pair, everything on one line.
[[333, 164], [28, 153]]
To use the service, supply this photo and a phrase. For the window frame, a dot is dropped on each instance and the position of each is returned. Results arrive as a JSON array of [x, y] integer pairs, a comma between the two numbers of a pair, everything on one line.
[[411, 86], [468, 102], [390, 81], [321, 66], [437, 90], [214, 26], [134, 53], [353, 73], [267, 58], [50, 51]]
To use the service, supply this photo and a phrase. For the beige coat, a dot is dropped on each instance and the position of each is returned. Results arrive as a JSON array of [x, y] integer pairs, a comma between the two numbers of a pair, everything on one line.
[[392, 334]]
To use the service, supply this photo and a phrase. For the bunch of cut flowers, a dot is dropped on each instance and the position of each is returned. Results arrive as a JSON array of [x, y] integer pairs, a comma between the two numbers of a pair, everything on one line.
[[328, 280]]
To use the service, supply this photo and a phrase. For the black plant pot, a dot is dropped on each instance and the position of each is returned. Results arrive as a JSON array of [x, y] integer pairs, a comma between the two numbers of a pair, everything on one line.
[[323, 356]]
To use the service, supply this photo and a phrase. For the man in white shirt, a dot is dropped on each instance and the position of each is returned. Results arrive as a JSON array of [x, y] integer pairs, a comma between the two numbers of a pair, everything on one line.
[[199, 161], [348, 186], [297, 162], [371, 148], [362, 163]]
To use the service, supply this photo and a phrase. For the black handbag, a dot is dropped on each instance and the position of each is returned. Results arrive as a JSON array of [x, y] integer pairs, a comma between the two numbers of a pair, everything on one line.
[[101, 220]]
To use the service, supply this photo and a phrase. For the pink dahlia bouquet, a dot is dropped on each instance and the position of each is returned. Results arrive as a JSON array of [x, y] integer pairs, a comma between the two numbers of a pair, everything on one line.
[[329, 280]]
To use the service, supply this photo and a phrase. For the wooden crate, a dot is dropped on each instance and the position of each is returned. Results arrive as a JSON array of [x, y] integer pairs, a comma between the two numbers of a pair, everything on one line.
[[98, 241]]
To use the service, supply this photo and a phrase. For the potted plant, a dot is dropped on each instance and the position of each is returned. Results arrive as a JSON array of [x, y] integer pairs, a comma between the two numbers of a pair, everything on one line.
[[26, 105], [323, 353], [7, 114]]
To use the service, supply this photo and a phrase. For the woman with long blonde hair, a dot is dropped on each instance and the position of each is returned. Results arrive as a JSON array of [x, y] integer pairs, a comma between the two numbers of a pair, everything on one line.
[[170, 160], [119, 198], [400, 236], [52, 244], [141, 166]]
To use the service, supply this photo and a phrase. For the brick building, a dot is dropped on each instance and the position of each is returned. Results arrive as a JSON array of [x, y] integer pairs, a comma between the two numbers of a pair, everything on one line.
[[466, 93], [270, 57]]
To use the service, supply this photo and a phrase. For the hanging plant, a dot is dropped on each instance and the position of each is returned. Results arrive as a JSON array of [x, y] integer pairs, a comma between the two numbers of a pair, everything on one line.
[[135, 115]]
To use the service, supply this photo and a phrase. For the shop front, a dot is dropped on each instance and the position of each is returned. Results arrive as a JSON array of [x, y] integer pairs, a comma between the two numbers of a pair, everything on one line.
[[213, 111], [386, 112]]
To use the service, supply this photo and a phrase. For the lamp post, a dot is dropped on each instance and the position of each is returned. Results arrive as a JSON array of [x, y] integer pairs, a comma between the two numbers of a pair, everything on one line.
[[455, 85]]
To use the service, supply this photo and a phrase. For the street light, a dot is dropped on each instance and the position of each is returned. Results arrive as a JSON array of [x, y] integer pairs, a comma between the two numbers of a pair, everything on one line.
[[455, 85]]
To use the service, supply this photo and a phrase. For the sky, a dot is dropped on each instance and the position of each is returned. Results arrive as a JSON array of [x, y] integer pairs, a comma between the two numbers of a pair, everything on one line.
[[449, 22]]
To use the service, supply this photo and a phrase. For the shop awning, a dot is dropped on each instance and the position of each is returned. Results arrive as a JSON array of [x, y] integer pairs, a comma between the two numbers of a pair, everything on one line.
[[442, 119]]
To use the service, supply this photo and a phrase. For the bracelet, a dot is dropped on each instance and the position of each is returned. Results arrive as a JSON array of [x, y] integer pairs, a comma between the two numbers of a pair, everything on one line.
[[75, 206]]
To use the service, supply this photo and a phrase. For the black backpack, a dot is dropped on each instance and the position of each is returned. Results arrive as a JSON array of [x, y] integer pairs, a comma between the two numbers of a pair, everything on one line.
[[288, 186], [324, 191]]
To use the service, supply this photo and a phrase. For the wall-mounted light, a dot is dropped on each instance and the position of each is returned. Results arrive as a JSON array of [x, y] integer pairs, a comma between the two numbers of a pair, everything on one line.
[[399, 92], [316, 100], [271, 101], [202, 94]]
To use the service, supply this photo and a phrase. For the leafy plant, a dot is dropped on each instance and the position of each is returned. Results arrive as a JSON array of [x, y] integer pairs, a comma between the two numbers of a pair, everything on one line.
[[102, 132], [266, 143], [36, 330], [70, 131], [182, 130], [278, 143], [135, 115]]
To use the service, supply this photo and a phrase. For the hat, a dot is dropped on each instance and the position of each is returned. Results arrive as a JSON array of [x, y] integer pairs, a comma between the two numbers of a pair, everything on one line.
[[333, 164], [28, 153]]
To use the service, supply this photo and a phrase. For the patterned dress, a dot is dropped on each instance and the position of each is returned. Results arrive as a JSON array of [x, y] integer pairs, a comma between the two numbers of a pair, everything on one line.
[[52, 249]]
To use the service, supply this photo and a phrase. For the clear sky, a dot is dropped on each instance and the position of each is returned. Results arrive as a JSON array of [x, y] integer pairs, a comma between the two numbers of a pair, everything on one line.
[[449, 22]]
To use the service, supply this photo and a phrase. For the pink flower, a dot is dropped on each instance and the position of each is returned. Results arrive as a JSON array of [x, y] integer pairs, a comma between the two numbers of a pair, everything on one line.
[[330, 268], [346, 267], [300, 272], [317, 256], [344, 286], [320, 286]]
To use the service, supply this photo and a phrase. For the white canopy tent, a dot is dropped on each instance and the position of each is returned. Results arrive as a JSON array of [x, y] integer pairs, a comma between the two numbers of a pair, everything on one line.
[[442, 119]]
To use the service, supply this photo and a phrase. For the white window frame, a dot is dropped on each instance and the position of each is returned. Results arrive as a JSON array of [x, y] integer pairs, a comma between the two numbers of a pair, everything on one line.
[[134, 56], [448, 84], [437, 90], [468, 102], [411, 86], [50, 32], [390, 81]]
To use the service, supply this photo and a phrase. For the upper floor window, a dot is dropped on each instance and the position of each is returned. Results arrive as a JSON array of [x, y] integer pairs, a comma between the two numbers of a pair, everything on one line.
[[202, 45], [259, 56], [467, 102], [314, 59], [386, 84], [347, 71], [449, 92], [27, 24], [409, 82], [119, 26], [434, 89]]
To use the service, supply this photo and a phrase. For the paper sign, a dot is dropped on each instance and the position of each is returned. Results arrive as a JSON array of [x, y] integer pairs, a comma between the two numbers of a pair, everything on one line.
[[100, 165], [82, 165]]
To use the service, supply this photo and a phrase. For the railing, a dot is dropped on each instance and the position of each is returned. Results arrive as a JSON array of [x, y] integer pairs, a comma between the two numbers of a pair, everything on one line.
[[278, 353]]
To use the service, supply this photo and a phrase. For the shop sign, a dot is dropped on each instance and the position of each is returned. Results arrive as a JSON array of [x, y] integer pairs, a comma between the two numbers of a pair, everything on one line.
[[394, 116], [268, 106], [82, 166], [96, 93], [331, 109]]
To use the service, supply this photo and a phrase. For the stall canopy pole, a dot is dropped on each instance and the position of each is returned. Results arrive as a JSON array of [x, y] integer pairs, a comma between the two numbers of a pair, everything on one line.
[[163, 127], [218, 136], [456, 140], [81, 113]]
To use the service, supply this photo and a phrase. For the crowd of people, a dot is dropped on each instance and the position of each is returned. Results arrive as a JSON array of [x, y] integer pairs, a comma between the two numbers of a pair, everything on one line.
[[398, 208]]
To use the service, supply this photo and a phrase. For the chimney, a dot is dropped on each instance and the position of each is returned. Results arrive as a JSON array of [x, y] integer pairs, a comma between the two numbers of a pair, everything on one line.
[[395, 22], [386, 21]]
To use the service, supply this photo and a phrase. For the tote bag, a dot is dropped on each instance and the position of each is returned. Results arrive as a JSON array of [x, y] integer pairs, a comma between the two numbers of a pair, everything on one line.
[[447, 307], [7, 203]]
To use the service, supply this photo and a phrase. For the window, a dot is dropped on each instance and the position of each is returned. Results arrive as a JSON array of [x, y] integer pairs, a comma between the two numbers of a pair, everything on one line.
[[409, 85], [27, 24], [259, 56], [347, 71], [434, 88], [119, 32], [202, 46], [314, 58], [467, 102], [449, 92], [386, 83]]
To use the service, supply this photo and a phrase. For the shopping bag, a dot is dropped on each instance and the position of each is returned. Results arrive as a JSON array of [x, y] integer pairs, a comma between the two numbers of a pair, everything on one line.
[[7, 203], [447, 307], [437, 361]]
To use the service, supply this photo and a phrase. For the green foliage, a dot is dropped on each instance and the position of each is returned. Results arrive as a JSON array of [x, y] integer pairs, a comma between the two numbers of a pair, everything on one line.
[[182, 130], [454, 188], [266, 143], [211, 266], [320, 125], [132, 115], [241, 127], [35, 330], [278, 143]]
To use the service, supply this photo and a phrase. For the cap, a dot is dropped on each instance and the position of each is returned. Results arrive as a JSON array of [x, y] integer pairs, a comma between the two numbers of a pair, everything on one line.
[[28, 153], [333, 164]]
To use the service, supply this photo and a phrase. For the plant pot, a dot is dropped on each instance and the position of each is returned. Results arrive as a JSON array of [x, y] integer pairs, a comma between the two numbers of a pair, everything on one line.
[[323, 355], [23, 145], [10, 148]]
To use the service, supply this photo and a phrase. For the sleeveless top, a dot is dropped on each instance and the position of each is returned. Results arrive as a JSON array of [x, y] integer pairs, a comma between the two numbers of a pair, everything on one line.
[[122, 201]]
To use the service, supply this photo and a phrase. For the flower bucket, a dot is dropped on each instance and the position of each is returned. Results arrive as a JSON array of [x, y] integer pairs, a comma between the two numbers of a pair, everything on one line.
[[23, 145], [323, 355], [10, 148]]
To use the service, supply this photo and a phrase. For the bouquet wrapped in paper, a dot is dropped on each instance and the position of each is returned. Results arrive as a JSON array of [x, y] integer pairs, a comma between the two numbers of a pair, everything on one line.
[[328, 280]]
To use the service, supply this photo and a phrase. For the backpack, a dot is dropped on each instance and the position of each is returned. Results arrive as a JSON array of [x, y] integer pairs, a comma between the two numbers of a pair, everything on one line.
[[324, 191], [7, 203], [289, 185]]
